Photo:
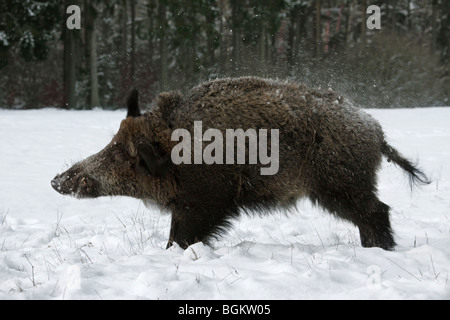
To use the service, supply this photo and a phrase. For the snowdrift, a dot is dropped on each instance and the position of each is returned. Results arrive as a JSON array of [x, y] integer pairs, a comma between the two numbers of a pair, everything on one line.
[[55, 247]]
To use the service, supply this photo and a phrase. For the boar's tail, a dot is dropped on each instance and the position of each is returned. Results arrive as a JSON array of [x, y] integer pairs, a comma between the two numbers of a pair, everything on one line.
[[416, 176]]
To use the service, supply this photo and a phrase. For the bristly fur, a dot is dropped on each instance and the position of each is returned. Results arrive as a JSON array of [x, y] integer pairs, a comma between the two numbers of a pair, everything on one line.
[[329, 152]]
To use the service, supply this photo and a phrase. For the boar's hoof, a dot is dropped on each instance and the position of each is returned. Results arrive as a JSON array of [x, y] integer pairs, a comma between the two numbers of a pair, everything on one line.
[[79, 186]]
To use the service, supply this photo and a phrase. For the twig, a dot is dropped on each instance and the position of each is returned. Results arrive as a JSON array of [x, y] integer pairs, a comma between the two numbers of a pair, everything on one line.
[[323, 246], [32, 271], [404, 270], [434, 270], [3, 245], [3, 217]]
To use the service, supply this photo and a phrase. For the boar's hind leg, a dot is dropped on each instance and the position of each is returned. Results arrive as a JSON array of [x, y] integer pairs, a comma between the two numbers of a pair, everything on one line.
[[368, 213], [375, 228], [190, 226]]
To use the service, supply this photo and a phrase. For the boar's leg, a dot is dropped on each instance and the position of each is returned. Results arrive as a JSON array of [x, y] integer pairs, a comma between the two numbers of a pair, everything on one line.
[[192, 225], [369, 214], [344, 182], [375, 228]]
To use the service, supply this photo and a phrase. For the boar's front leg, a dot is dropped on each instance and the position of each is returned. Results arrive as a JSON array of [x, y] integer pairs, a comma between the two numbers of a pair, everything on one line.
[[198, 223]]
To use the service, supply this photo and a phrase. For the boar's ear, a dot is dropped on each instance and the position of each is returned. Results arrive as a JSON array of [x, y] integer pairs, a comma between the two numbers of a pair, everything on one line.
[[153, 159], [167, 102], [133, 104]]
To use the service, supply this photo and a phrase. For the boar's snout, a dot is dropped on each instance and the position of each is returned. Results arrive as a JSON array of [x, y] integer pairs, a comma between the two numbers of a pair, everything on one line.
[[76, 184]]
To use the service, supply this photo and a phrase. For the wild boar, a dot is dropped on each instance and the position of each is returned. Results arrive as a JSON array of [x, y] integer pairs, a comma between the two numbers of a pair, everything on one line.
[[328, 150]]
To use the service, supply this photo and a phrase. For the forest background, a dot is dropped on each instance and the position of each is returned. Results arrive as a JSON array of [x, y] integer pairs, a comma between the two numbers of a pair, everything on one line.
[[175, 44]]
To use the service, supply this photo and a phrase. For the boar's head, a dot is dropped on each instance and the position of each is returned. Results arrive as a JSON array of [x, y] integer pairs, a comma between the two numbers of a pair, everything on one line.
[[133, 164]]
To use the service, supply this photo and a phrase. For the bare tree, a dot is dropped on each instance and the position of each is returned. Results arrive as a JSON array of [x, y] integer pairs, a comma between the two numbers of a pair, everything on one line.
[[69, 65], [133, 41], [163, 46], [91, 15]]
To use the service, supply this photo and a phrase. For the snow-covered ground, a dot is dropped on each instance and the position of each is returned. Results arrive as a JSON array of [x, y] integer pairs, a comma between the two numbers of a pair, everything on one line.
[[55, 247]]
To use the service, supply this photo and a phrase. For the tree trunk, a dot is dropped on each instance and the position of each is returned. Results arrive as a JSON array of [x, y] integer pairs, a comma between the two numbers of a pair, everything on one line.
[[409, 18], [93, 66], [388, 14], [291, 36], [124, 42], [163, 50], [151, 33], [69, 70], [224, 37], [91, 52], [318, 30], [363, 21], [210, 37], [394, 16], [434, 26], [236, 27], [133, 42], [348, 31], [262, 43], [301, 29]]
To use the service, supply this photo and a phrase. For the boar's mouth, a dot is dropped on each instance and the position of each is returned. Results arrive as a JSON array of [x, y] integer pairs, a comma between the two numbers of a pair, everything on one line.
[[76, 185]]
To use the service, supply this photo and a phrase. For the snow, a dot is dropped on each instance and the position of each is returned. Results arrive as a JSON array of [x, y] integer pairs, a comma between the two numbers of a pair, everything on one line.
[[4, 39], [27, 38], [56, 247]]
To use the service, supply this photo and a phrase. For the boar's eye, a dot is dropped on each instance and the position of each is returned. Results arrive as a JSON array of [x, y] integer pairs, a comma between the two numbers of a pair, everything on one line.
[[153, 159]]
